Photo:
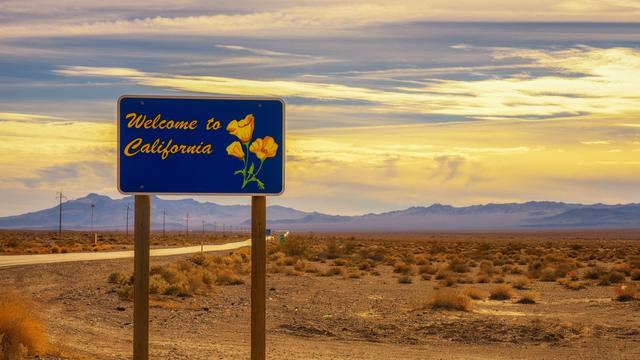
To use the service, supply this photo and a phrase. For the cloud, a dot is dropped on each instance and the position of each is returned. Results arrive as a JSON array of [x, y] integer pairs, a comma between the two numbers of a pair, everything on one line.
[[287, 18], [70, 175], [572, 82], [6, 116], [595, 142], [264, 52]]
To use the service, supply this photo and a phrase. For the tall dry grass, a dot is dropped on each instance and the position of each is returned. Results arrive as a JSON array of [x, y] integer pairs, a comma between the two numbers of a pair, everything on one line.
[[22, 333]]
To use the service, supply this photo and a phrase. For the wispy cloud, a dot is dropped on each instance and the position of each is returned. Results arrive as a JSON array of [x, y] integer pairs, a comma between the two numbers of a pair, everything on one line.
[[284, 18], [265, 52], [595, 142], [576, 81]]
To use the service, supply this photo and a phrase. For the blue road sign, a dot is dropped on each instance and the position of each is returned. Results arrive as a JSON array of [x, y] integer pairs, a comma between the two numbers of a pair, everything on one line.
[[200, 145]]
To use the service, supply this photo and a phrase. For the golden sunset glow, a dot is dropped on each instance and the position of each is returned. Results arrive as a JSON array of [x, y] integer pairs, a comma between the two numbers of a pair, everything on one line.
[[496, 110]]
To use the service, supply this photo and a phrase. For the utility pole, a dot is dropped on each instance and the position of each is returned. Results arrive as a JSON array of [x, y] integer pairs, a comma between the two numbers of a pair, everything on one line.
[[60, 197], [202, 239], [164, 214], [127, 220], [92, 207], [187, 224], [215, 230]]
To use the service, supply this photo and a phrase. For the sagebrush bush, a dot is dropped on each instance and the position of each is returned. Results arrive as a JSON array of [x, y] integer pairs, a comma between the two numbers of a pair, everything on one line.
[[21, 331], [428, 269], [501, 292], [521, 283], [295, 246], [528, 297], [475, 293], [228, 277], [447, 299], [403, 268], [117, 278], [594, 273], [195, 276]]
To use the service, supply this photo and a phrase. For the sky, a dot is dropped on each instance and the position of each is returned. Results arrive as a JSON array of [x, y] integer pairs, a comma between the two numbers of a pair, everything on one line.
[[389, 104]]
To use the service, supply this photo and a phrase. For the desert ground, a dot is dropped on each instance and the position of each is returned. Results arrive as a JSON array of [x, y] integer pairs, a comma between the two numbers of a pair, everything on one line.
[[537, 295]]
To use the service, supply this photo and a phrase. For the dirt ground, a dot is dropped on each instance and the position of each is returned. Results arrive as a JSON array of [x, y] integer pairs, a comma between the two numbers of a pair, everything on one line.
[[329, 317]]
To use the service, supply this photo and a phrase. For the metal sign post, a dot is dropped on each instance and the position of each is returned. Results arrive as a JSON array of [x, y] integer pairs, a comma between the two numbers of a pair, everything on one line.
[[200, 146]]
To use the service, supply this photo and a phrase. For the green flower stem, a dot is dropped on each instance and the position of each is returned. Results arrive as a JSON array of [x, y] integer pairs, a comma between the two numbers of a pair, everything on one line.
[[246, 163], [253, 177]]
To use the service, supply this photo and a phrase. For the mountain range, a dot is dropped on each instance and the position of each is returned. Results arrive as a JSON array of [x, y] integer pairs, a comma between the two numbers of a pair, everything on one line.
[[110, 214]]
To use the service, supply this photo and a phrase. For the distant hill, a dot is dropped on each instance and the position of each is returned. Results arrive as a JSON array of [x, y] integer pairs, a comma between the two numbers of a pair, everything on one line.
[[109, 214]]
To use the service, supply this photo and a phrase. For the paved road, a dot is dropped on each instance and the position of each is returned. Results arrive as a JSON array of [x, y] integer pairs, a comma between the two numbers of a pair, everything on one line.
[[17, 260]]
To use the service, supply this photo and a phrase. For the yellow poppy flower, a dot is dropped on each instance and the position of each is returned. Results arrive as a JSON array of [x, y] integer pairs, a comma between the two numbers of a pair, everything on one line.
[[243, 129], [264, 148], [235, 149]]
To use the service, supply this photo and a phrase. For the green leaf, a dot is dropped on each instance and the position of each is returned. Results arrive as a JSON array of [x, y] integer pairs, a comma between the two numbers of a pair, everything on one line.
[[260, 184], [251, 169], [238, 172]]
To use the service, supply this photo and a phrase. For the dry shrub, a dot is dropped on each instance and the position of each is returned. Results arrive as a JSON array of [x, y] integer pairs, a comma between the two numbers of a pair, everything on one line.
[[574, 285], [21, 331], [635, 275], [528, 297], [228, 277], [548, 274], [200, 259], [521, 283], [426, 277], [117, 278], [475, 293], [289, 261], [626, 292], [403, 268], [333, 271], [447, 299], [332, 250], [501, 292], [623, 268], [449, 280], [125, 292], [458, 265], [594, 273], [613, 277], [311, 269], [295, 246], [157, 284], [428, 269], [486, 267], [340, 262], [300, 265], [405, 279], [483, 278]]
